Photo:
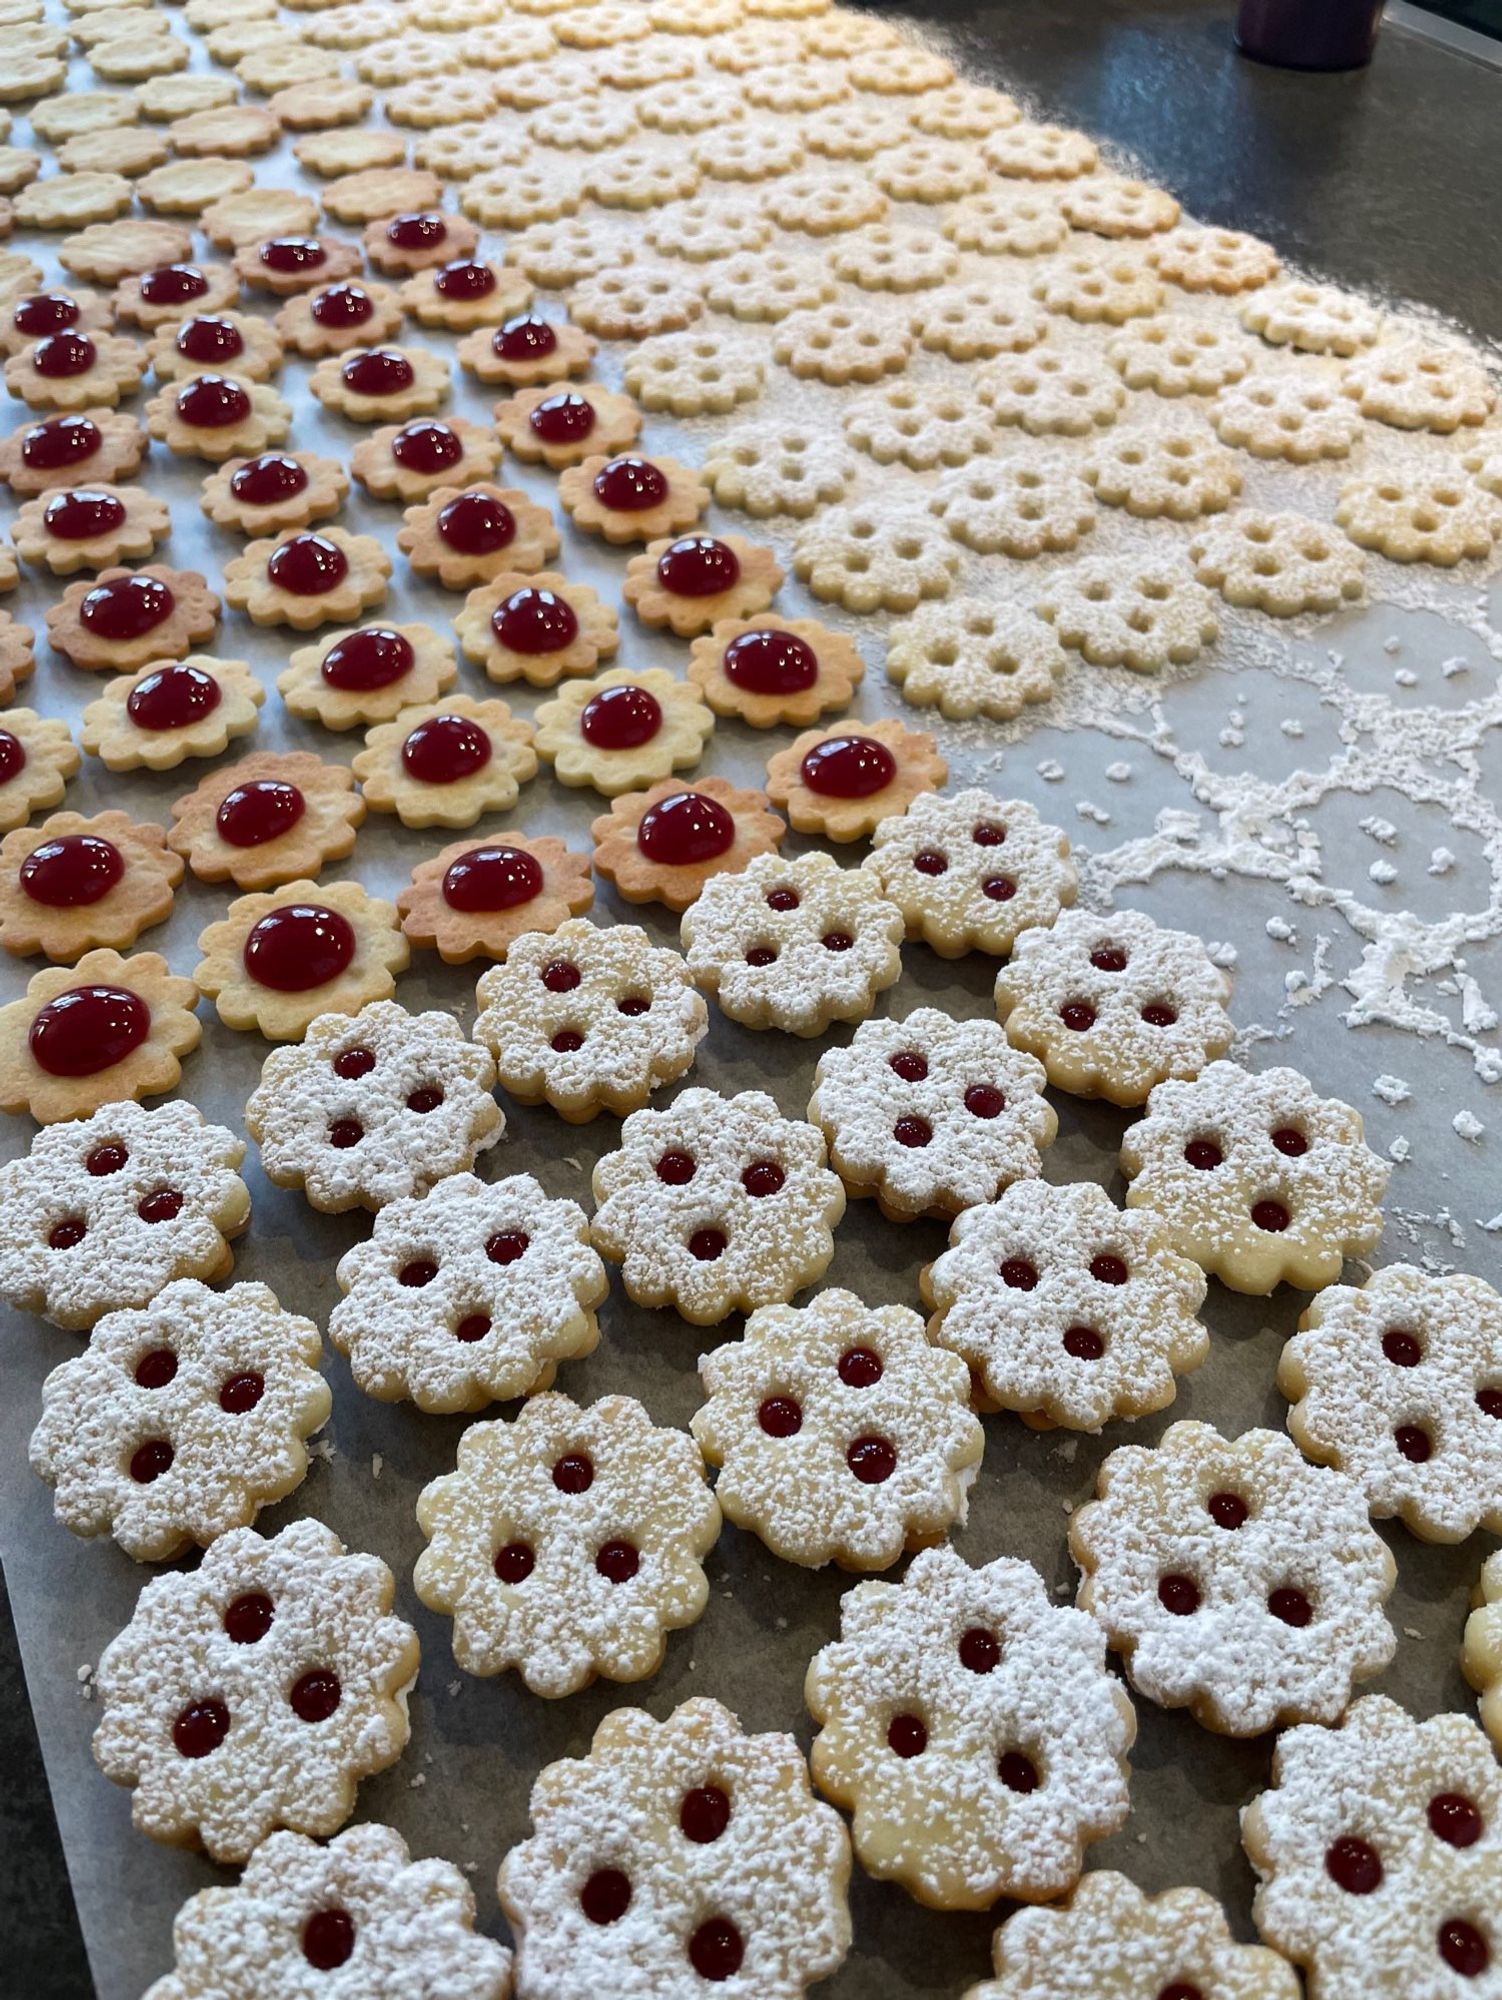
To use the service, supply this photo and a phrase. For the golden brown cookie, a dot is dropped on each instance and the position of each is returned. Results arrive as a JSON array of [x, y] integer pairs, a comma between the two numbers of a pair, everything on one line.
[[120, 619], [37, 757], [558, 427], [446, 763], [623, 730], [841, 780], [28, 315], [70, 370], [470, 535], [633, 497], [372, 384], [409, 461], [474, 897], [270, 818], [273, 492], [277, 960], [17, 655], [693, 582], [106, 1029], [351, 313], [166, 293], [418, 239], [308, 578], [465, 293], [282, 265], [74, 884], [350, 679], [771, 670], [233, 343], [78, 447], [89, 527], [663, 844], [538, 627], [526, 350], [216, 416], [170, 711]]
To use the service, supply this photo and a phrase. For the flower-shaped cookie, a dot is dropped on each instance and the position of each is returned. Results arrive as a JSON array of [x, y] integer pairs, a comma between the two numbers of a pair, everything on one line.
[[694, 374], [1287, 412], [1066, 1309], [275, 961], [535, 625], [1481, 1654], [1095, 288], [971, 1726], [1255, 1177], [1110, 1938], [1378, 1847], [339, 318], [526, 350], [468, 1294], [351, 679], [172, 711], [768, 284], [307, 578], [169, 293], [1395, 1384], [1023, 506], [1214, 260], [770, 670], [555, 427], [839, 1434], [1114, 1004], [417, 239], [840, 782], [273, 491], [446, 763], [974, 657], [1316, 318], [371, 385], [623, 730], [75, 883], [1234, 1578], [970, 872], [1165, 470], [716, 1205], [1415, 387], [183, 1418], [632, 498], [1131, 611], [1411, 516], [270, 818], [1174, 355], [364, 1111], [589, 1019], [840, 344], [1049, 393], [120, 619], [89, 527], [1109, 206], [410, 461], [28, 315], [217, 416], [930, 1115], [693, 582], [247, 347], [106, 1028], [256, 1691], [476, 897], [870, 557], [662, 845], [105, 1211], [711, 1834], [471, 535], [83, 446], [1280, 563], [778, 468], [306, 1904], [466, 292], [921, 424], [37, 757], [1007, 222], [73, 371], [568, 1543]]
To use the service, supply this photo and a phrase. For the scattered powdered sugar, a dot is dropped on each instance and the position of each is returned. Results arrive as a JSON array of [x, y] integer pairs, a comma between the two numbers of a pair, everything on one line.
[[1391, 1089], [1467, 1125]]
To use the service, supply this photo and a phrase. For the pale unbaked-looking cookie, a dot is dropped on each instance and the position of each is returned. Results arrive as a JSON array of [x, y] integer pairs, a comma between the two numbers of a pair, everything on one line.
[[974, 657], [876, 558], [1412, 516], [1283, 564]]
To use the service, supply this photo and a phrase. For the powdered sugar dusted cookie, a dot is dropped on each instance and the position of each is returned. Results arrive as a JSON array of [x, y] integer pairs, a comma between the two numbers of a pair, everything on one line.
[[1110, 1942], [278, 959], [1317, 318], [1142, 613], [1113, 1004], [1065, 1309], [589, 1018], [931, 1115], [1398, 1384], [256, 1691], [302, 1906], [1419, 387], [106, 1210], [365, 1110], [568, 1543], [876, 558], [471, 1293], [1235, 1579], [1481, 1655], [1379, 1847], [182, 1420], [1175, 355], [971, 1726], [678, 1853], [1416, 516], [974, 657], [1280, 563], [1256, 1178], [794, 944], [716, 1205], [838, 1432], [970, 872]]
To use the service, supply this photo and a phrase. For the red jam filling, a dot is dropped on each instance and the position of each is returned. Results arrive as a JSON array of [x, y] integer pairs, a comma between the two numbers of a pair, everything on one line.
[[931, 862], [1078, 1016], [906, 1736], [1159, 1014], [535, 621], [980, 1650], [200, 1728], [1463, 1948], [298, 947], [1354, 1865], [262, 810], [249, 1618], [1179, 1595], [212, 403], [1108, 1269], [1017, 1771], [872, 1460], [984, 1100], [1227, 1510], [44, 313], [473, 1327], [1108, 958], [315, 1694], [676, 1168], [1020, 1273], [1401, 1349], [72, 871], [128, 607], [427, 446], [367, 660], [706, 1245], [83, 513], [88, 1029], [911, 1131], [1290, 1607], [998, 888], [507, 1245], [162, 1205], [1455, 1819], [419, 1272], [12, 756], [515, 1562], [860, 1368], [698, 566], [263, 481], [567, 418], [716, 1950], [558, 976], [763, 1177], [464, 280], [491, 878], [620, 718], [292, 253], [344, 1133], [630, 485], [704, 1814], [618, 1562], [352, 1063], [574, 1472], [416, 231], [476, 524], [307, 565], [208, 338], [1203, 1154], [445, 749], [1271, 1216], [909, 1065], [685, 830], [173, 697], [59, 442], [378, 373], [525, 338], [149, 1461], [173, 285], [342, 305], [1414, 1443], [606, 1896], [328, 1939], [848, 767], [1083, 1343], [58, 356], [780, 1416], [771, 662]]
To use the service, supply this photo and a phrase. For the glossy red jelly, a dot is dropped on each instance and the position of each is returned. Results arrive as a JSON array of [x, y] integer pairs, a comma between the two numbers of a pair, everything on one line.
[[559, 976], [984, 1100], [907, 1736], [1078, 1016], [173, 284], [260, 810], [912, 1131], [264, 481], [416, 231], [162, 1205], [200, 1728], [1179, 1595], [1020, 1273], [58, 356], [1414, 1443], [1290, 1606], [1083, 1343], [620, 718], [464, 280], [1354, 1865], [848, 767], [909, 1065], [12, 756], [328, 1939], [872, 1459], [1227, 1510], [88, 1029], [307, 565], [380, 372], [127, 607], [707, 1244], [212, 403], [1401, 1349], [770, 663], [860, 1368], [567, 418], [685, 830], [1455, 1819], [149, 1461], [716, 1950], [445, 749], [763, 1177], [524, 338], [342, 305], [344, 1133], [698, 566], [980, 1650], [1159, 1014], [208, 338], [298, 947], [1271, 1216], [72, 871], [515, 1562], [247, 1619], [929, 861], [1290, 1141], [58, 442], [1463, 1948], [81, 514], [315, 1694], [292, 253], [416, 1273], [676, 1168], [606, 1896], [574, 1472], [491, 878], [1017, 1771], [1108, 1269], [534, 621], [507, 1245], [173, 697], [780, 1416], [1108, 958], [704, 1814], [998, 888], [44, 313], [352, 1063], [630, 485], [477, 524], [241, 1392], [1203, 1154], [426, 446], [367, 660], [618, 1562]]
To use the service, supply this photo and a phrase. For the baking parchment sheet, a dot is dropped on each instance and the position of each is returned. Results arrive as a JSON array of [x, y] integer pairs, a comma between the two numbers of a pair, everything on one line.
[[461, 1788]]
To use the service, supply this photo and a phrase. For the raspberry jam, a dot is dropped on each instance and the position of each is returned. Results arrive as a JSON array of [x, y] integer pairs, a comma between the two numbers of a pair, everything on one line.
[[288, 254], [1020, 1273], [1078, 1016], [328, 1939], [780, 1416], [162, 1205], [59, 356], [514, 1563], [525, 338], [342, 305], [618, 1562], [980, 1650], [298, 947], [1402, 1349], [574, 1472], [770, 662], [685, 830], [156, 1368], [344, 1133], [906, 1736], [12, 756], [477, 524], [263, 481], [848, 767], [1108, 1269], [367, 660], [1354, 1865], [860, 1368], [127, 607], [172, 285], [909, 1065], [81, 514], [698, 566], [533, 621], [872, 1459], [984, 1100], [620, 718], [1227, 1510], [1455, 1819], [704, 1814], [464, 280], [558, 976], [67, 1235], [763, 1177], [1083, 1343], [567, 418], [315, 1694], [507, 1245], [1108, 958], [606, 1896], [248, 1619], [426, 446], [630, 485], [44, 313], [87, 1029], [716, 1949], [998, 888], [72, 871], [261, 810], [352, 1063], [1179, 1595], [707, 1244], [212, 403], [1271, 1216], [1290, 1607], [911, 1131], [445, 749], [208, 338], [929, 861], [491, 878], [379, 372], [676, 1168], [200, 1728], [1414, 1443], [1017, 1771], [307, 565], [1463, 1948], [173, 697], [57, 443], [416, 231], [1203, 1154]]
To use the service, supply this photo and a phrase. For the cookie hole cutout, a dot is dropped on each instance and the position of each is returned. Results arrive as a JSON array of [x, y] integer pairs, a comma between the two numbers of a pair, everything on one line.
[[980, 1650], [417, 1272], [763, 1178], [716, 1950], [1463, 1947], [606, 1896], [860, 1367], [150, 1460], [1107, 1268], [345, 1133], [241, 1393], [1270, 1215], [473, 1327], [315, 1695], [909, 1065], [1018, 1771], [1084, 1343], [1414, 1443], [507, 1245]]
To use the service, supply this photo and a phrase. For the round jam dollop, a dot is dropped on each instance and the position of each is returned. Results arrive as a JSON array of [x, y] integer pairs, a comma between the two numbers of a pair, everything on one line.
[[57, 356], [307, 565], [173, 284], [127, 607], [416, 231], [464, 280], [535, 621], [72, 871], [87, 1029], [630, 485], [59, 442], [81, 514], [298, 947], [212, 403], [263, 481], [524, 338], [342, 305], [567, 418], [427, 446], [292, 253], [44, 313], [848, 767], [476, 524], [379, 372], [262, 809], [173, 697], [698, 566], [770, 662], [12, 756], [491, 878], [621, 718], [445, 749], [209, 338], [367, 660], [685, 830]]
